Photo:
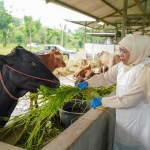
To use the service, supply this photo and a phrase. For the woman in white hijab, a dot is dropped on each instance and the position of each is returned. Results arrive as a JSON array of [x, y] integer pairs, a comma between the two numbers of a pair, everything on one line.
[[132, 78]]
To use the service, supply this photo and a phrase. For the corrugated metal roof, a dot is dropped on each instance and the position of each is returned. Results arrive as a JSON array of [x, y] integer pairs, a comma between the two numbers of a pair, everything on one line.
[[110, 12]]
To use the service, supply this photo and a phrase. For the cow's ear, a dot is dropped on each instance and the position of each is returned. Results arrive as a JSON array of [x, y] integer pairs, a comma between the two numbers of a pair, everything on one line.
[[3, 60], [58, 56]]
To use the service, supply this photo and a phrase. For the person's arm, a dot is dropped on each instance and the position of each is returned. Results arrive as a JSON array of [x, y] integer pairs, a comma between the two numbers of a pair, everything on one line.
[[131, 99], [136, 94], [104, 79]]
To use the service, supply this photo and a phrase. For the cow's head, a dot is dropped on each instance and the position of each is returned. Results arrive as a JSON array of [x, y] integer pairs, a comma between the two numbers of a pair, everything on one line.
[[58, 58], [83, 75], [89, 73], [26, 70], [84, 62], [53, 60], [84, 72]]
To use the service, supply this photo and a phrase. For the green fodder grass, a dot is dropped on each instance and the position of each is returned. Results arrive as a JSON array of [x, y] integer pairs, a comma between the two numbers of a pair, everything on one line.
[[36, 122]]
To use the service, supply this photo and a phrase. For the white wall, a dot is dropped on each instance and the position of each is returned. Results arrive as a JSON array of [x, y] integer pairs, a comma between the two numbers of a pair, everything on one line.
[[93, 49], [79, 55]]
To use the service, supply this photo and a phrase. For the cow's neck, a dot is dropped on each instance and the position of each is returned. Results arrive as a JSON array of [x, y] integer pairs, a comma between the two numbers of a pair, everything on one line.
[[7, 103], [13, 89], [51, 59]]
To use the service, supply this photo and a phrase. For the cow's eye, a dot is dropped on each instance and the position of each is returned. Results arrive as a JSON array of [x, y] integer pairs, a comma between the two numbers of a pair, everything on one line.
[[33, 63]]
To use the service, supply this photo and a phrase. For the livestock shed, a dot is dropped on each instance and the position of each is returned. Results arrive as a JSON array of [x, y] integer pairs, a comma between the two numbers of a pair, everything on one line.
[[119, 17], [128, 16]]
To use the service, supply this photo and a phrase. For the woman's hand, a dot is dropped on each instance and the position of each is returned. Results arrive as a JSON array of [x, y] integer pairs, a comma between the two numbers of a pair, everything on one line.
[[95, 102], [82, 85]]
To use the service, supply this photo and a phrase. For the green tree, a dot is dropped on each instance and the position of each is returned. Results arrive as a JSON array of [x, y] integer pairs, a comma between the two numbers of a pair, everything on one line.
[[19, 37], [79, 36], [1, 36], [69, 39], [49, 35], [11, 33], [5, 20], [17, 22], [1, 4], [63, 34], [22, 30], [38, 25], [53, 36], [29, 28], [42, 34], [13, 28]]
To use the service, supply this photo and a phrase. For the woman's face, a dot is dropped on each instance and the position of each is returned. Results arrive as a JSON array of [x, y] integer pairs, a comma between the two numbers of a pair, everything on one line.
[[124, 55]]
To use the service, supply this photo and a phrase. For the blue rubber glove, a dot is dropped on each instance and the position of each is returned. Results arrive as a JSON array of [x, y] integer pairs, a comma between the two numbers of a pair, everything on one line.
[[82, 85], [95, 102]]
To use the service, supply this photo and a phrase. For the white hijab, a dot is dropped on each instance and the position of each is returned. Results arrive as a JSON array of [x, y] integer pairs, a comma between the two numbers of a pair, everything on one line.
[[139, 48]]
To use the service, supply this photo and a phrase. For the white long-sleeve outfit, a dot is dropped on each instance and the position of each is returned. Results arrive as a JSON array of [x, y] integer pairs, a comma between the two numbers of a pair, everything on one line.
[[132, 130]]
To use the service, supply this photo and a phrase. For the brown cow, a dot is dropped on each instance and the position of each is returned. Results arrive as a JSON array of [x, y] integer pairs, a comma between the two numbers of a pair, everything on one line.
[[84, 62], [52, 60], [84, 71], [107, 60]]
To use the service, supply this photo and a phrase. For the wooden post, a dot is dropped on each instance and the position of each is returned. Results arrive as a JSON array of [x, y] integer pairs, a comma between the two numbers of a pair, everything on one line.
[[143, 25], [116, 32], [84, 35], [30, 37], [124, 18]]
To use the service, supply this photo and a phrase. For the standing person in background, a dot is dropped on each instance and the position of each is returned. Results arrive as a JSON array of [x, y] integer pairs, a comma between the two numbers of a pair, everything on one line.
[[132, 99]]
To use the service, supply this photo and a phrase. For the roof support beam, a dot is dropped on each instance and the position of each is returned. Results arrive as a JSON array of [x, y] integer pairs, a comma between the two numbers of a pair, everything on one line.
[[124, 18], [79, 11], [138, 4], [112, 6], [120, 10], [132, 15], [144, 19]]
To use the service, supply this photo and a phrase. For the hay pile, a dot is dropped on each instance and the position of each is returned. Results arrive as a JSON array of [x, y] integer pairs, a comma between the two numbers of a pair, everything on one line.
[[71, 67]]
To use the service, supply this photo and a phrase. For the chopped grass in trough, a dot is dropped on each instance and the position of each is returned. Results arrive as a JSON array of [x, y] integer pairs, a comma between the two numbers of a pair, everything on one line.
[[40, 125]]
